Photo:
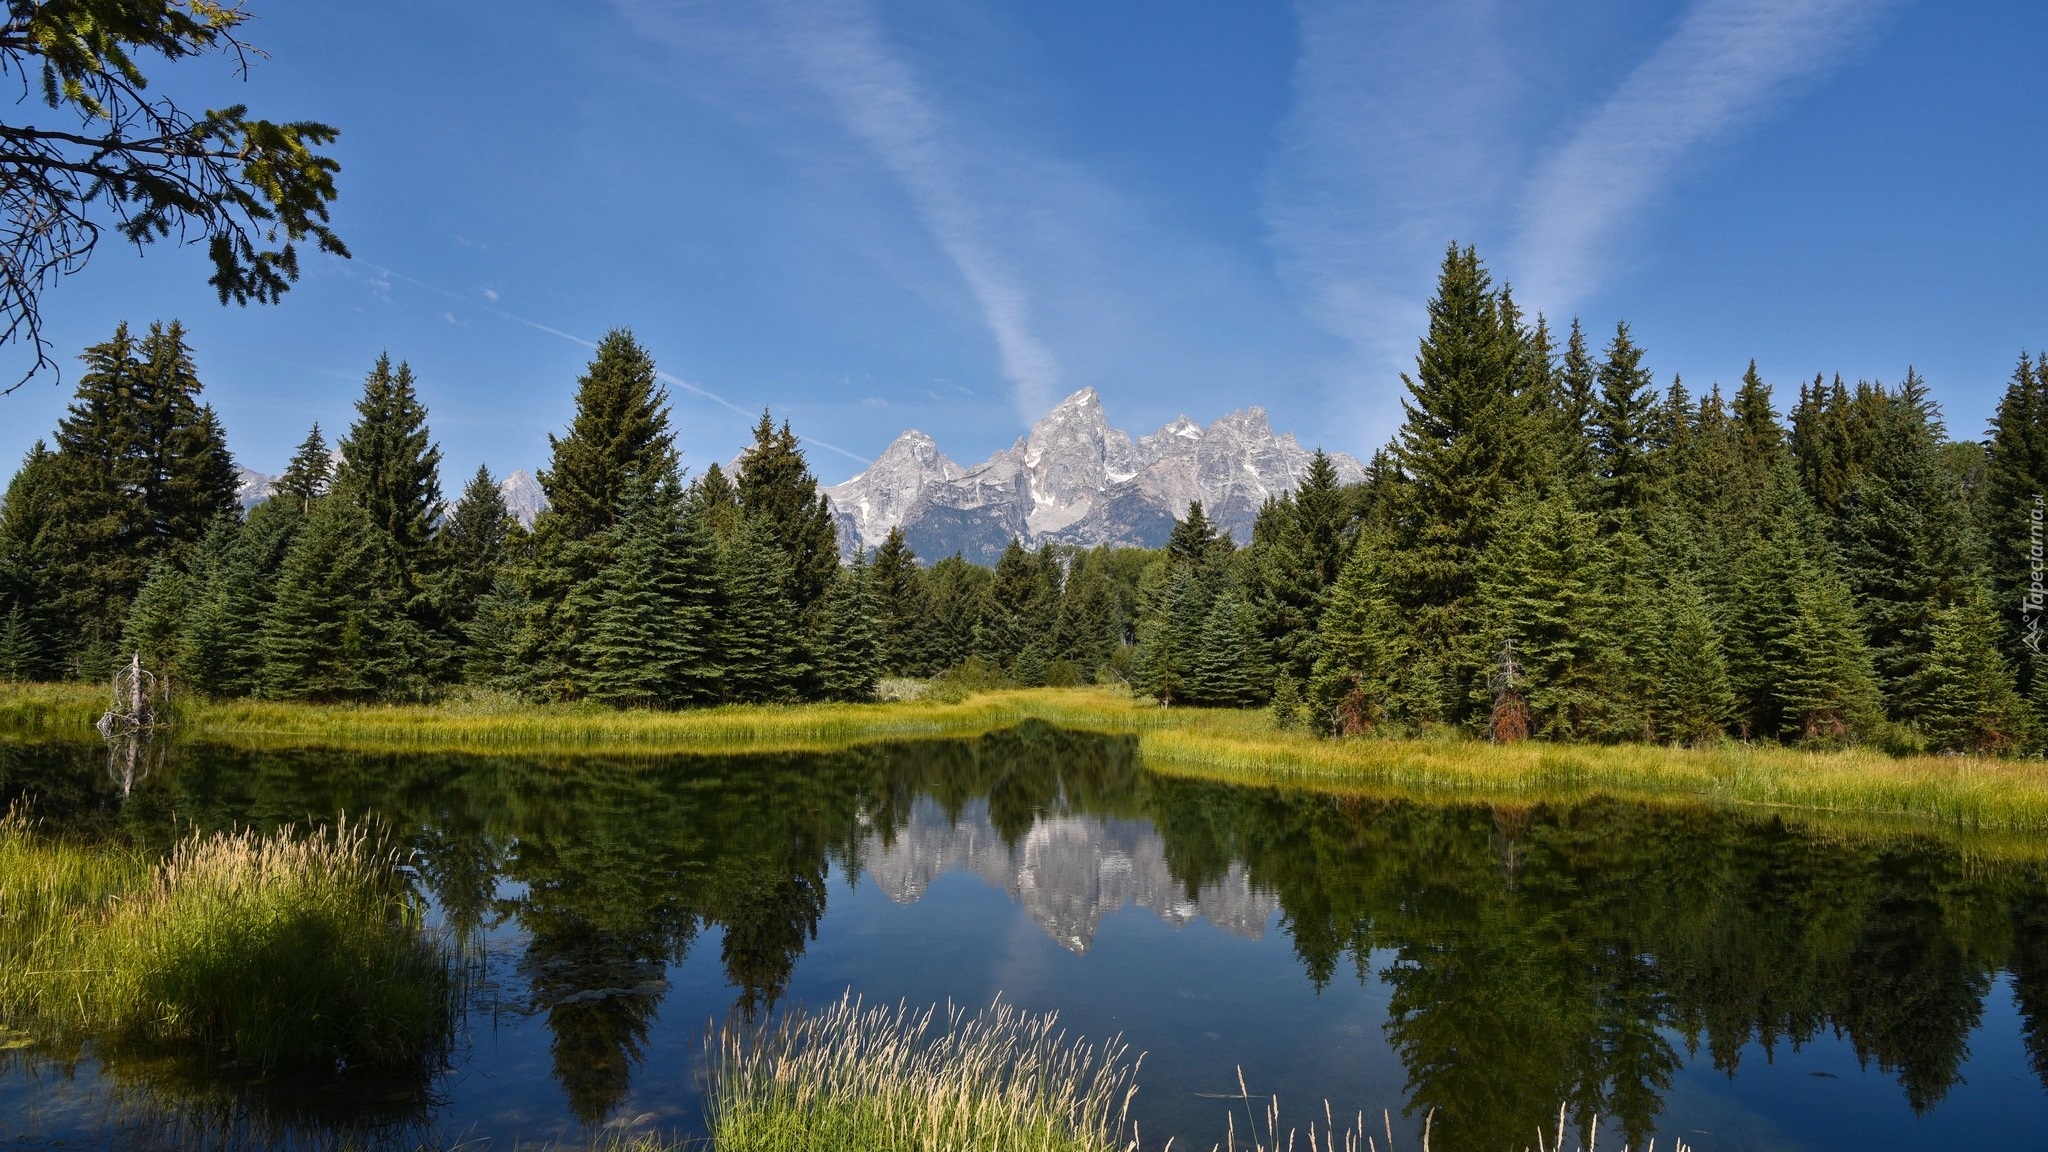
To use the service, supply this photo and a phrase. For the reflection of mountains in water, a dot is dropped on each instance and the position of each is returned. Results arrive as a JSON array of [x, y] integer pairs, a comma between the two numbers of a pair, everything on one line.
[[1067, 871]]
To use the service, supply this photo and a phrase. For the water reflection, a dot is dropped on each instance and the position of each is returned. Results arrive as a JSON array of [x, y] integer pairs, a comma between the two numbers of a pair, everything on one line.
[[1583, 953]]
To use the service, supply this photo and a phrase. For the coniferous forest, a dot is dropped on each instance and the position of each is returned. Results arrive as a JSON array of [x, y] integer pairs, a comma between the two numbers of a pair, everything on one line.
[[1556, 544]]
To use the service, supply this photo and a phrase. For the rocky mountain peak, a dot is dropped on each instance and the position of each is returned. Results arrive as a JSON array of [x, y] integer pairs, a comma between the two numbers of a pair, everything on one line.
[[1073, 479]]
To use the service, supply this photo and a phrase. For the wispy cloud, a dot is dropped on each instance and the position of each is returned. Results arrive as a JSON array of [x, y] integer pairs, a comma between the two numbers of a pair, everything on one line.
[[1397, 142], [842, 51], [1728, 63]]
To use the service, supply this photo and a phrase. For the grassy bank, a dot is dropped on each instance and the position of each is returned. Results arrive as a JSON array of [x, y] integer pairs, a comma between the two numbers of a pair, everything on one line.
[[1971, 793], [269, 951]]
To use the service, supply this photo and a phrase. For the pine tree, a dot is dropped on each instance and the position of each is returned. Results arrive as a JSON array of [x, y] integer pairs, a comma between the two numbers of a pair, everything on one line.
[[156, 618], [1972, 702], [1825, 689], [20, 646], [776, 488], [1463, 450], [844, 638], [958, 591], [1578, 387], [391, 469], [901, 595], [650, 636], [235, 577], [337, 629], [1695, 699], [2016, 506], [189, 478], [1194, 540], [471, 541], [1297, 558], [1229, 668], [499, 641], [1362, 648], [27, 560], [310, 473], [1092, 612], [757, 637], [1170, 634], [1622, 422], [619, 434], [1546, 589], [618, 438]]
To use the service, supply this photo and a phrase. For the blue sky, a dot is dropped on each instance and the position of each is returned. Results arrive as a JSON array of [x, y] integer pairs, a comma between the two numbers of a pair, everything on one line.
[[946, 214]]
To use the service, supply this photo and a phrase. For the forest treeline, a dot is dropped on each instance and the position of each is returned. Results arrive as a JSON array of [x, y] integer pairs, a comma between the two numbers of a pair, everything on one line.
[[1551, 546]]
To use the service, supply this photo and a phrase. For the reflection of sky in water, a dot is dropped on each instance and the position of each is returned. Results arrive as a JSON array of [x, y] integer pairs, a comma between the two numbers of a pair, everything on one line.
[[1091, 915]]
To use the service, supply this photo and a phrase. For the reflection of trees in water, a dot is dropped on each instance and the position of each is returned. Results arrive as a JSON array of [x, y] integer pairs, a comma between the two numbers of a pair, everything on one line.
[[1533, 954]]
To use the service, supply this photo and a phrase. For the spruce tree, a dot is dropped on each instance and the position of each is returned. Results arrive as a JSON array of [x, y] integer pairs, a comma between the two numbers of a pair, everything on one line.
[[1019, 607], [1695, 699], [20, 645], [1361, 647], [1170, 634], [1623, 419], [27, 560], [471, 541], [959, 589], [143, 470], [2016, 507], [777, 489], [391, 469], [758, 628], [1462, 449], [310, 473], [844, 640], [1546, 589], [901, 603], [1298, 549], [156, 618], [500, 643], [221, 650], [651, 633], [1578, 388], [337, 629], [1825, 689], [1229, 668], [618, 437], [619, 434], [1972, 703]]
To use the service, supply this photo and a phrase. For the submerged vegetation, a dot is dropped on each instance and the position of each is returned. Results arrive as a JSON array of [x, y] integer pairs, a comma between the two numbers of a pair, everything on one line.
[[269, 951]]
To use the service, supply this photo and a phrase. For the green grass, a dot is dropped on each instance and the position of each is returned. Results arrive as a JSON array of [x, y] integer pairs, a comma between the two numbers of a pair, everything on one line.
[[266, 950], [893, 1080], [1957, 792]]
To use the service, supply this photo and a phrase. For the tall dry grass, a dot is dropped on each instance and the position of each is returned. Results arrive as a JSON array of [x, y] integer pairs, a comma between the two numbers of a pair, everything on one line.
[[896, 1080], [268, 950]]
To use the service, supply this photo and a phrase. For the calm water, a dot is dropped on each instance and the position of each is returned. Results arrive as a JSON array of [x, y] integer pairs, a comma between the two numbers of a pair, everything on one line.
[[1715, 976]]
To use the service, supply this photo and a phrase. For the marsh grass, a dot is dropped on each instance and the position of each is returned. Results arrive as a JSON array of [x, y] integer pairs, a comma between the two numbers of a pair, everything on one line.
[[1976, 794], [897, 1080], [270, 951], [1358, 1134]]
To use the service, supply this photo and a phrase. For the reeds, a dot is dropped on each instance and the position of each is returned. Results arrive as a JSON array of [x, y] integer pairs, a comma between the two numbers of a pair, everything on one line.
[[1358, 1135], [897, 1080], [268, 950]]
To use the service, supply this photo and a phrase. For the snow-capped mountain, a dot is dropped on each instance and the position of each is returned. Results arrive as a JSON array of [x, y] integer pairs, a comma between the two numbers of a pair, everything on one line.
[[523, 496], [1074, 480], [522, 493]]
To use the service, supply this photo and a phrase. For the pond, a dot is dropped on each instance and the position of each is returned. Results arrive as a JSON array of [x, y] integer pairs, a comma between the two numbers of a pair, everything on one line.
[[1731, 978]]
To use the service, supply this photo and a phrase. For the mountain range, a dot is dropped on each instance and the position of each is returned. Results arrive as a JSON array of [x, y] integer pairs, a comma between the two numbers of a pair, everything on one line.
[[1074, 480], [1071, 480]]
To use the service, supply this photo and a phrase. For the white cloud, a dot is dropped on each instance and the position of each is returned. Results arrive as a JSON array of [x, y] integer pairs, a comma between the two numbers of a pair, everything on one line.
[[491, 294], [843, 53], [1397, 143], [1726, 65]]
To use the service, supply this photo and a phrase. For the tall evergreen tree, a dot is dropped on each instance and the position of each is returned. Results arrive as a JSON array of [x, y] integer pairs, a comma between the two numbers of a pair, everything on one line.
[[2015, 507], [776, 488], [1826, 691], [1695, 699], [391, 469], [844, 640], [1298, 548], [620, 433], [472, 545], [1578, 388], [27, 559], [1229, 668], [759, 631], [311, 471], [1972, 702], [959, 589], [1020, 607], [188, 476], [1546, 590], [1623, 419], [651, 634], [1361, 648], [901, 603], [337, 630], [156, 618]]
